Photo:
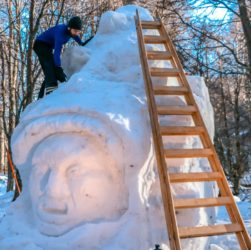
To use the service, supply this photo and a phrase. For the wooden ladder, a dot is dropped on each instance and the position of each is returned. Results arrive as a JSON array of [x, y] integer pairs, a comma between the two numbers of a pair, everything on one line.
[[176, 233]]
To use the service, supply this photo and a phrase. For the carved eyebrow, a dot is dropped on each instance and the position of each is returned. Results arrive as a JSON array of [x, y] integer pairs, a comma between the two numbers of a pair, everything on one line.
[[72, 167], [39, 166]]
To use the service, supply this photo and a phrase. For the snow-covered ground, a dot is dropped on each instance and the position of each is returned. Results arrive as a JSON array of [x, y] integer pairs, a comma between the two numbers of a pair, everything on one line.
[[5, 198], [227, 242]]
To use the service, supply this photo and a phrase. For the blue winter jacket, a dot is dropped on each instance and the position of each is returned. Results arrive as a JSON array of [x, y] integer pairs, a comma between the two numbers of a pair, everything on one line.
[[56, 37]]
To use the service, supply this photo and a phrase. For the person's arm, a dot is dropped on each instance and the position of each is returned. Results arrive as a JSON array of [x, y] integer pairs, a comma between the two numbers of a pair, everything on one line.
[[77, 39], [87, 41]]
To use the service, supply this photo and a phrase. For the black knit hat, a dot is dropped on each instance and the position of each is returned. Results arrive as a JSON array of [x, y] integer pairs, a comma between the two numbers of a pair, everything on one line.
[[75, 23]]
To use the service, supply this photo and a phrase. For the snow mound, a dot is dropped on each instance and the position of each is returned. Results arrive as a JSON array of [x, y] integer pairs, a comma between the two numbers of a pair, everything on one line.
[[74, 58], [86, 157]]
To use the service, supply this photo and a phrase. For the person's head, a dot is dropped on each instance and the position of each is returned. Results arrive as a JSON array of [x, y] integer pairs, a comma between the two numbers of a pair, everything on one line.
[[75, 25], [71, 178], [74, 32]]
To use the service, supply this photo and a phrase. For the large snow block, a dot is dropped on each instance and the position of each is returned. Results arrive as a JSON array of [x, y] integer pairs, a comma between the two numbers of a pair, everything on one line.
[[86, 156]]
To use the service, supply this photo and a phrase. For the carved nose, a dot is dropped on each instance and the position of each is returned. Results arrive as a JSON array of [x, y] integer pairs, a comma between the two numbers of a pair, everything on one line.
[[56, 187]]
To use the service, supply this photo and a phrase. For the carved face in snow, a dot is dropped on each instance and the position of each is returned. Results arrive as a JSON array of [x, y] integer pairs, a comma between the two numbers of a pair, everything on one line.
[[74, 181]]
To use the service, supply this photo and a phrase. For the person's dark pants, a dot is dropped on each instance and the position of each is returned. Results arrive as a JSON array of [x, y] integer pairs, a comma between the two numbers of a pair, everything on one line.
[[45, 56]]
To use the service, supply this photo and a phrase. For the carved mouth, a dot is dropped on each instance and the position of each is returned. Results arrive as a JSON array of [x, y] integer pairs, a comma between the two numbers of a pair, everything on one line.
[[52, 215], [55, 210]]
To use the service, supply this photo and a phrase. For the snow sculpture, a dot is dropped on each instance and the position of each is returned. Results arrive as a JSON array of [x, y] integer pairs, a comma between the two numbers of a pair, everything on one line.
[[71, 185], [86, 157]]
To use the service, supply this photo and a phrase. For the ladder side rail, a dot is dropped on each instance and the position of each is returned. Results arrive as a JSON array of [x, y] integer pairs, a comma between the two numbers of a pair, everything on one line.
[[160, 158], [235, 215]]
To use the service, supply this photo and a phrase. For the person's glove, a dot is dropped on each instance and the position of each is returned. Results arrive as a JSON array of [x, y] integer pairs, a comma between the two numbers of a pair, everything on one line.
[[87, 41], [60, 75]]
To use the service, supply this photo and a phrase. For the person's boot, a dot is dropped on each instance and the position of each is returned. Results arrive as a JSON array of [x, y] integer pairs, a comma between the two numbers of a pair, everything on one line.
[[50, 88], [157, 247]]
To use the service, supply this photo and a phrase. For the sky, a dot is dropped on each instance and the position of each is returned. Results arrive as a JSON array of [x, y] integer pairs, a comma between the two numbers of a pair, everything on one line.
[[215, 13], [210, 11]]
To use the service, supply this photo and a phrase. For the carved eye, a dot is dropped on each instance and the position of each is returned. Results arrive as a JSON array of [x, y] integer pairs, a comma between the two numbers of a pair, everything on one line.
[[73, 170]]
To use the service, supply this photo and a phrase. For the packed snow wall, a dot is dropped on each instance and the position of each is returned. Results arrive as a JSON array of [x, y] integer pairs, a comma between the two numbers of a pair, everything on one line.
[[86, 156]]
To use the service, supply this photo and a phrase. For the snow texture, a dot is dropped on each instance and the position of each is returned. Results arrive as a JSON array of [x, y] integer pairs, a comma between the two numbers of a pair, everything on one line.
[[5, 197], [86, 156]]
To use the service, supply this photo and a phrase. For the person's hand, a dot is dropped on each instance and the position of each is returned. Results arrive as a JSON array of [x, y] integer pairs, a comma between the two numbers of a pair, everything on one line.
[[85, 42], [60, 75]]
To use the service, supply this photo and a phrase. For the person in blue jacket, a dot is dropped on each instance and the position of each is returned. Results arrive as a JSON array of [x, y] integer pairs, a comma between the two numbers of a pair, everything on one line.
[[53, 39]]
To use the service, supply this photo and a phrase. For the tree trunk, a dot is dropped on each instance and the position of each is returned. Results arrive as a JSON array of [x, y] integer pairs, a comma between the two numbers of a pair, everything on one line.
[[2, 149], [29, 83], [236, 185], [246, 24]]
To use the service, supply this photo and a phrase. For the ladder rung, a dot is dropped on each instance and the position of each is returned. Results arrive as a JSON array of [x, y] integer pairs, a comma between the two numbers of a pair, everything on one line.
[[164, 71], [150, 24], [181, 130], [167, 90], [188, 153], [176, 110], [154, 39], [159, 55], [188, 232], [203, 202], [196, 176]]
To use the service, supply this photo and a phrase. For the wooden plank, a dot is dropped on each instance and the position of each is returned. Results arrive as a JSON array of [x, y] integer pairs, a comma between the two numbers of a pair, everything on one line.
[[159, 55], [196, 176], [176, 110], [202, 202], [181, 130], [188, 153], [189, 232], [154, 39], [171, 72], [170, 90], [150, 24]]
